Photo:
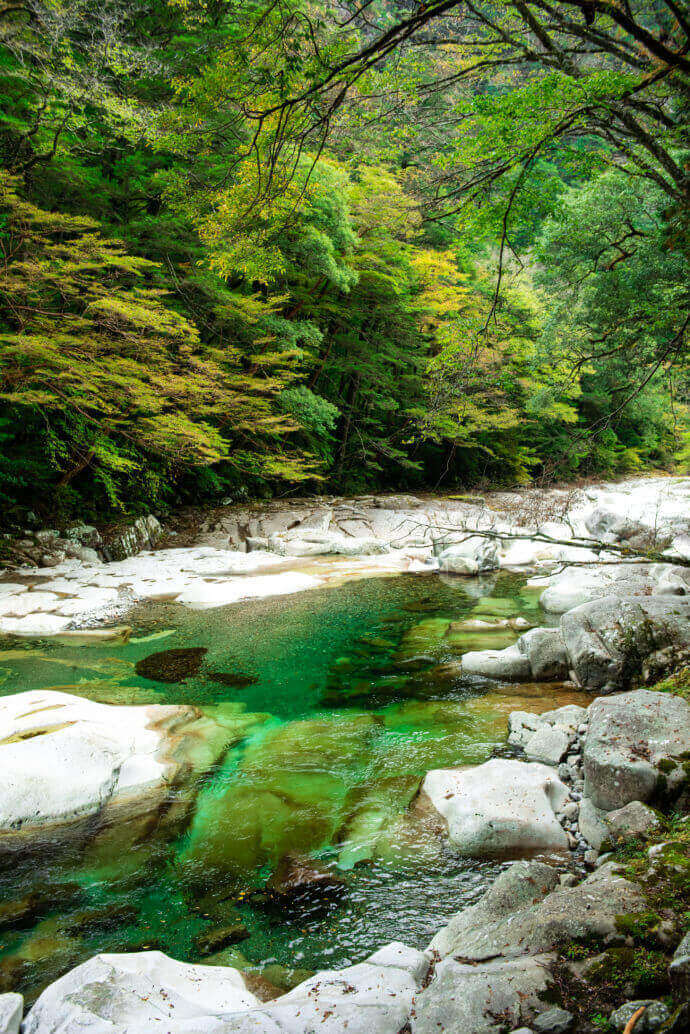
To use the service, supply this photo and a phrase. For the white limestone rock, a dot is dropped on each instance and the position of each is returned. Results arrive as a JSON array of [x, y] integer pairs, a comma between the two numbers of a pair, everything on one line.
[[36, 602], [203, 595], [35, 625], [499, 809], [139, 993], [132, 994], [11, 1012], [66, 759], [470, 556], [509, 664]]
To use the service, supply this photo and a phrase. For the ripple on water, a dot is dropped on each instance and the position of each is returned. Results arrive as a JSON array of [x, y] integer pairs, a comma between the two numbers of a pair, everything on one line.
[[339, 700]]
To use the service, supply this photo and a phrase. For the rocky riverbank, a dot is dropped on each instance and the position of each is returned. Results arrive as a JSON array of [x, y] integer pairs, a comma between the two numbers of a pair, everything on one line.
[[588, 928], [79, 579]]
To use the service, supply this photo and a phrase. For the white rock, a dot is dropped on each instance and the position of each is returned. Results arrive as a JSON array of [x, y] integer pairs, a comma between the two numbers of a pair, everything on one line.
[[469, 556], [508, 664], [64, 758], [88, 600], [499, 809], [133, 994], [11, 1012], [547, 744], [20, 605], [11, 589], [202, 595], [35, 625], [140, 993]]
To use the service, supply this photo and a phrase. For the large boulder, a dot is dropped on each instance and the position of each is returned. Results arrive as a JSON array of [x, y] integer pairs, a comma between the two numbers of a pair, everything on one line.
[[67, 761], [630, 743], [609, 639], [525, 913], [135, 994], [499, 809], [609, 526], [483, 999], [545, 650], [473, 555]]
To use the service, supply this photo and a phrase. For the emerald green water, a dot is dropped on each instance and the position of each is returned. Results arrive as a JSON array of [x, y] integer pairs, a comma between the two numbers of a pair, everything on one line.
[[338, 700]]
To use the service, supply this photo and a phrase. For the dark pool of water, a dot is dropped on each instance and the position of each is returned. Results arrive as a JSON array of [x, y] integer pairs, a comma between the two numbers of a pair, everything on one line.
[[345, 697]]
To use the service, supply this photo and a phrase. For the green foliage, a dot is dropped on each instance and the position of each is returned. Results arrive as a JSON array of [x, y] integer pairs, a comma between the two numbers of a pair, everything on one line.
[[202, 294]]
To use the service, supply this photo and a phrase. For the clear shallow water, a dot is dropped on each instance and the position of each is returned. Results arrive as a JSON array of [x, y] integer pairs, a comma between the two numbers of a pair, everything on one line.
[[342, 698]]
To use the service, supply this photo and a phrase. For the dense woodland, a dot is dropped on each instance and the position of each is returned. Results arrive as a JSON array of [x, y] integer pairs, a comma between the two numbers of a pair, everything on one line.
[[266, 247]]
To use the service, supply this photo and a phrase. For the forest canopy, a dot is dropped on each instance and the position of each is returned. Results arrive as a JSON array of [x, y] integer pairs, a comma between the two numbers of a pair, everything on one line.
[[294, 246]]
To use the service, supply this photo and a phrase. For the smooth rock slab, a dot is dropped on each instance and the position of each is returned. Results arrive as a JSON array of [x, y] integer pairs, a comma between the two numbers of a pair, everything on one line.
[[629, 734], [203, 595], [499, 809], [484, 999]]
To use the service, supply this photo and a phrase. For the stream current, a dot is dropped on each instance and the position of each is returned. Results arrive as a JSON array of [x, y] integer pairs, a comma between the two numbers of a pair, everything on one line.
[[342, 698]]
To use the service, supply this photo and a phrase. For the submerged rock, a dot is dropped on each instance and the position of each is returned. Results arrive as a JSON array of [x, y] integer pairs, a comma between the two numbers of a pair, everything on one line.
[[212, 941], [499, 809], [172, 665], [301, 880]]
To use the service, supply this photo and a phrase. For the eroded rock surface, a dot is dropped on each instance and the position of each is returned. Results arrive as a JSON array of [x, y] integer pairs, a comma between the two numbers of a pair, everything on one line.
[[66, 759], [608, 639]]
